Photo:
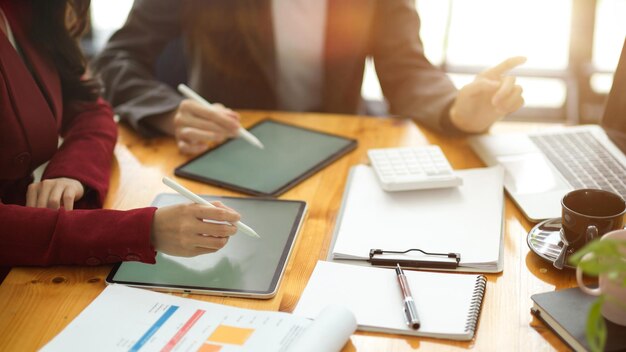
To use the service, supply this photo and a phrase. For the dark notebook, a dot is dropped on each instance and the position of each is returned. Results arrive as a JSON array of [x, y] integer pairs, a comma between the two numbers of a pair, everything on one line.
[[565, 312]]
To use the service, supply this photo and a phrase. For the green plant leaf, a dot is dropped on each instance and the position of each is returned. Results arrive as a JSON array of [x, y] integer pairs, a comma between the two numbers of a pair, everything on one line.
[[596, 327], [606, 256]]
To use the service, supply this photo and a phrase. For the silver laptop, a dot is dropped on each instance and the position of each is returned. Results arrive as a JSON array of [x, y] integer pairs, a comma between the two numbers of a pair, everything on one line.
[[541, 167]]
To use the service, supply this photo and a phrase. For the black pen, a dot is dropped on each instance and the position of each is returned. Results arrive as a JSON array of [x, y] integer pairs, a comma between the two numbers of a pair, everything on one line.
[[410, 310]]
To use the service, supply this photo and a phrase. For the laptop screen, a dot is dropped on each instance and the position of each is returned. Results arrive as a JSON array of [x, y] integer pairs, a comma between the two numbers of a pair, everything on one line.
[[614, 119]]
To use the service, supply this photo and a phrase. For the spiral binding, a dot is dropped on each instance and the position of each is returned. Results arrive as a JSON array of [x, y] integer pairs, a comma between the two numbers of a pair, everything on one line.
[[477, 300]]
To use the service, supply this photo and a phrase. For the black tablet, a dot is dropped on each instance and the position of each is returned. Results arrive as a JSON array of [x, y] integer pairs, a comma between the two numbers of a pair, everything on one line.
[[245, 267], [291, 154]]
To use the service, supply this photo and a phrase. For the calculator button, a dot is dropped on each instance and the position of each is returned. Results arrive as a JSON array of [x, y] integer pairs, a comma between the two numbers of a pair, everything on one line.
[[412, 168]]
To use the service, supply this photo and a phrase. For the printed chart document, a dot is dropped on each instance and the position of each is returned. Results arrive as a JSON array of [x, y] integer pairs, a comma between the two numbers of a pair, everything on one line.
[[448, 304], [123, 318], [467, 219]]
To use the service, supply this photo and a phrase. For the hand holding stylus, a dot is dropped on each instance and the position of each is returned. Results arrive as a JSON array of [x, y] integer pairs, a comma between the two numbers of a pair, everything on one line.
[[242, 132], [199, 200], [176, 229]]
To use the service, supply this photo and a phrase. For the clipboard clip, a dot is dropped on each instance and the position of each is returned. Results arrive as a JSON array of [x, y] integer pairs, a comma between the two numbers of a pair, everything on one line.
[[443, 261]]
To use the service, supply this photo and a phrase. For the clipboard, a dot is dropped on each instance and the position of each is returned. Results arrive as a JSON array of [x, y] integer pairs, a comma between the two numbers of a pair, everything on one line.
[[442, 205], [428, 260]]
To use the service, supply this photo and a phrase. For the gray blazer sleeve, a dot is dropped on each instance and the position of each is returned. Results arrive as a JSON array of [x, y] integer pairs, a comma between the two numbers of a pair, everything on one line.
[[127, 64], [412, 85]]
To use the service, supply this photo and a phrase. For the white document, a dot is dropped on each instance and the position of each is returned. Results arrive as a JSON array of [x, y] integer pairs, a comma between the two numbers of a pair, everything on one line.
[[122, 318], [465, 219], [448, 305]]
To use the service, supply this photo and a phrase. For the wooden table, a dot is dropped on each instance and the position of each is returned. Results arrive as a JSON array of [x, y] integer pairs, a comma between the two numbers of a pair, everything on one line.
[[37, 303]]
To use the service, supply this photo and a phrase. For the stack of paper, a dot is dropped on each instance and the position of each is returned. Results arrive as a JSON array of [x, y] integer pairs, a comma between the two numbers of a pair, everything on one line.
[[465, 219]]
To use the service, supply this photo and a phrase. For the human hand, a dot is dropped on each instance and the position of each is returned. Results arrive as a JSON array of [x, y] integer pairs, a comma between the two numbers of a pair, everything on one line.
[[54, 192], [187, 230], [195, 126], [491, 96]]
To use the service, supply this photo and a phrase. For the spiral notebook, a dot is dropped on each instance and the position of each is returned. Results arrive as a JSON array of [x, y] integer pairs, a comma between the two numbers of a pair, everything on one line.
[[448, 304]]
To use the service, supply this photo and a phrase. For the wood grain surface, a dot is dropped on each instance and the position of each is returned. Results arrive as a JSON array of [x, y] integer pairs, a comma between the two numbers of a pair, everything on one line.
[[37, 303]]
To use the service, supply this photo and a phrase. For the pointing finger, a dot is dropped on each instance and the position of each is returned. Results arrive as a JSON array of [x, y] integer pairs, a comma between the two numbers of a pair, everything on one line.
[[504, 66]]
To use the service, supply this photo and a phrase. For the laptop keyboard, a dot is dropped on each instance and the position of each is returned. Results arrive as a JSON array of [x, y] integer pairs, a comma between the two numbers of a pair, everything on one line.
[[583, 161]]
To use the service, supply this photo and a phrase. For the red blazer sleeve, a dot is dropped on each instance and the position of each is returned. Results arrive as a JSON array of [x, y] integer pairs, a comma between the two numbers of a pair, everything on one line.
[[40, 236], [89, 135]]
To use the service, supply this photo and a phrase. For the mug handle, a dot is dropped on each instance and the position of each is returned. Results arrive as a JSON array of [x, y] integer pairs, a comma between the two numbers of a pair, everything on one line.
[[581, 283], [591, 233]]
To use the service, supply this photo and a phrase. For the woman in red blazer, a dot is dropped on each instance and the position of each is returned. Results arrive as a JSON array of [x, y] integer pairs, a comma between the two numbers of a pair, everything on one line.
[[43, 95]]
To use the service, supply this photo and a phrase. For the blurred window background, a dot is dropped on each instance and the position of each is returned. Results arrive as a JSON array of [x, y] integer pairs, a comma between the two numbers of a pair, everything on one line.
[[572, 48]]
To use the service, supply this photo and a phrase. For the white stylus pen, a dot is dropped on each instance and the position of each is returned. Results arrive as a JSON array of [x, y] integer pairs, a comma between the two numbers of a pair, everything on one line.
[[243, 133], [199, 200]]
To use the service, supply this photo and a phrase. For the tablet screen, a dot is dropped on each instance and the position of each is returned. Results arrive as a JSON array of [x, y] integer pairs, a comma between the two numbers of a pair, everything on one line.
[[246, 266], [291, 154]]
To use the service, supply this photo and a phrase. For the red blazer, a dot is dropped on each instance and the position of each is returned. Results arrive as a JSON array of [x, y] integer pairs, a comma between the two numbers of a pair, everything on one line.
[[32, 116]]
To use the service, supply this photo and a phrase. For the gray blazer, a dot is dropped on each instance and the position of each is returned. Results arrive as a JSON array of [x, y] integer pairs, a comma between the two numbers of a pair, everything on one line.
[[229, 54]]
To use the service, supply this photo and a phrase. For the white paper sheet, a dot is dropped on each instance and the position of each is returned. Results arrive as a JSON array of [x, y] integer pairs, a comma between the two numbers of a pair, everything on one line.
[[122, 318], [465, 219]]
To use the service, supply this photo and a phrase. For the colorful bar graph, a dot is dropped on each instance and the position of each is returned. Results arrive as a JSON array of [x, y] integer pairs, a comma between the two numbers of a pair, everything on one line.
[[182, 331], [209, 347], [230, 335], [153, 329]]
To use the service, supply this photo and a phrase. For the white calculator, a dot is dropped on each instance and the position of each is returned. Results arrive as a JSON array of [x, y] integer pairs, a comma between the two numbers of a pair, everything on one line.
[[412, 168]]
